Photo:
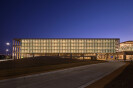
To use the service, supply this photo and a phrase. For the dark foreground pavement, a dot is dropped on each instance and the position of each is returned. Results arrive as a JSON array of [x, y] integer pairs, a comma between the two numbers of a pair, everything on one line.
[[77, 77]]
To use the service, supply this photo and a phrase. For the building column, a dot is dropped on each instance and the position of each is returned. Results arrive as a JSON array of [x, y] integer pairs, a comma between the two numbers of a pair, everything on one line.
[[19, 50], [71, 55], [116, 56], [96, 56], [124, 56], [15, 49], [107, 56], [83, 56]]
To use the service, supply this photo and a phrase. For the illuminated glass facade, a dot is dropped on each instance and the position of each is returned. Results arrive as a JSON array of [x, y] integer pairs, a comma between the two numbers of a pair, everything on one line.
[[69, 45], [41, 47]]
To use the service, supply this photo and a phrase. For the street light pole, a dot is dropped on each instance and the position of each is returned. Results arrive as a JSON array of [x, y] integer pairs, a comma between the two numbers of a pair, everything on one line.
[[7, 50], [6, 53]]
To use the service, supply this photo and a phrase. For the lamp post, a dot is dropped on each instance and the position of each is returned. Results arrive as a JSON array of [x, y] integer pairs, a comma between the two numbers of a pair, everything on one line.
[[7, 50], [7, 53]]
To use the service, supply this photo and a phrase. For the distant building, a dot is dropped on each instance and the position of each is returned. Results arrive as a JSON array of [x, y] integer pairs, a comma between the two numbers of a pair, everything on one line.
[[126, 50], [82, 48], [126, 46]]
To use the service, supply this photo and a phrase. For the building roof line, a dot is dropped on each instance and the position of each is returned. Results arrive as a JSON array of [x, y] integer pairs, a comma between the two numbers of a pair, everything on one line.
[[64, 38]]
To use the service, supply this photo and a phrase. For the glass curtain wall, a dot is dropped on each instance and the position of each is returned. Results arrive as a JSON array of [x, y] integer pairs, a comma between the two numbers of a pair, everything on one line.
[[69, 45]]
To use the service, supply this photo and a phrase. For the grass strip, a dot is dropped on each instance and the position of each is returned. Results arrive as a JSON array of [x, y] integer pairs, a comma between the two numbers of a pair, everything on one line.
[[107, 79], [124, 80]]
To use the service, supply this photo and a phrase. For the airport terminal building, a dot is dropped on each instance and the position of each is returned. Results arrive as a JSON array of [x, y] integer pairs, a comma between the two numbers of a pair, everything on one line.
[[81, 48]]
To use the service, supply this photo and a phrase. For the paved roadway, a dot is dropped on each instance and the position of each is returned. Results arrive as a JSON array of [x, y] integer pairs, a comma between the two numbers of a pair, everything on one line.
[[77, 77]]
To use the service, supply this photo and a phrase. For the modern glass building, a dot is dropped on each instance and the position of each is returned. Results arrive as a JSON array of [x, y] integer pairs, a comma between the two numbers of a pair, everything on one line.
[[74, 47]]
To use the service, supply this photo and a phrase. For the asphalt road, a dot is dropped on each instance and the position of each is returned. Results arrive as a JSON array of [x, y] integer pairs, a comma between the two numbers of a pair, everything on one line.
[[77, 77]]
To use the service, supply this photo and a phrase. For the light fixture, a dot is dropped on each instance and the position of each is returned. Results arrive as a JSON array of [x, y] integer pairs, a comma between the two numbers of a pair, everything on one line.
[[7, 43], [7, 50]]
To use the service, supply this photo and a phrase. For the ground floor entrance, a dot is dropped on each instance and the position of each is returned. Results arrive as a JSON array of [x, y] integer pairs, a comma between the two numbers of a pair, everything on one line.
[[93, 56], [126, 55]]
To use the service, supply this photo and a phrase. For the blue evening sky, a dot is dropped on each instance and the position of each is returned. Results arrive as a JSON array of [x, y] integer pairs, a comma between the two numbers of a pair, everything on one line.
[[65, 19]]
